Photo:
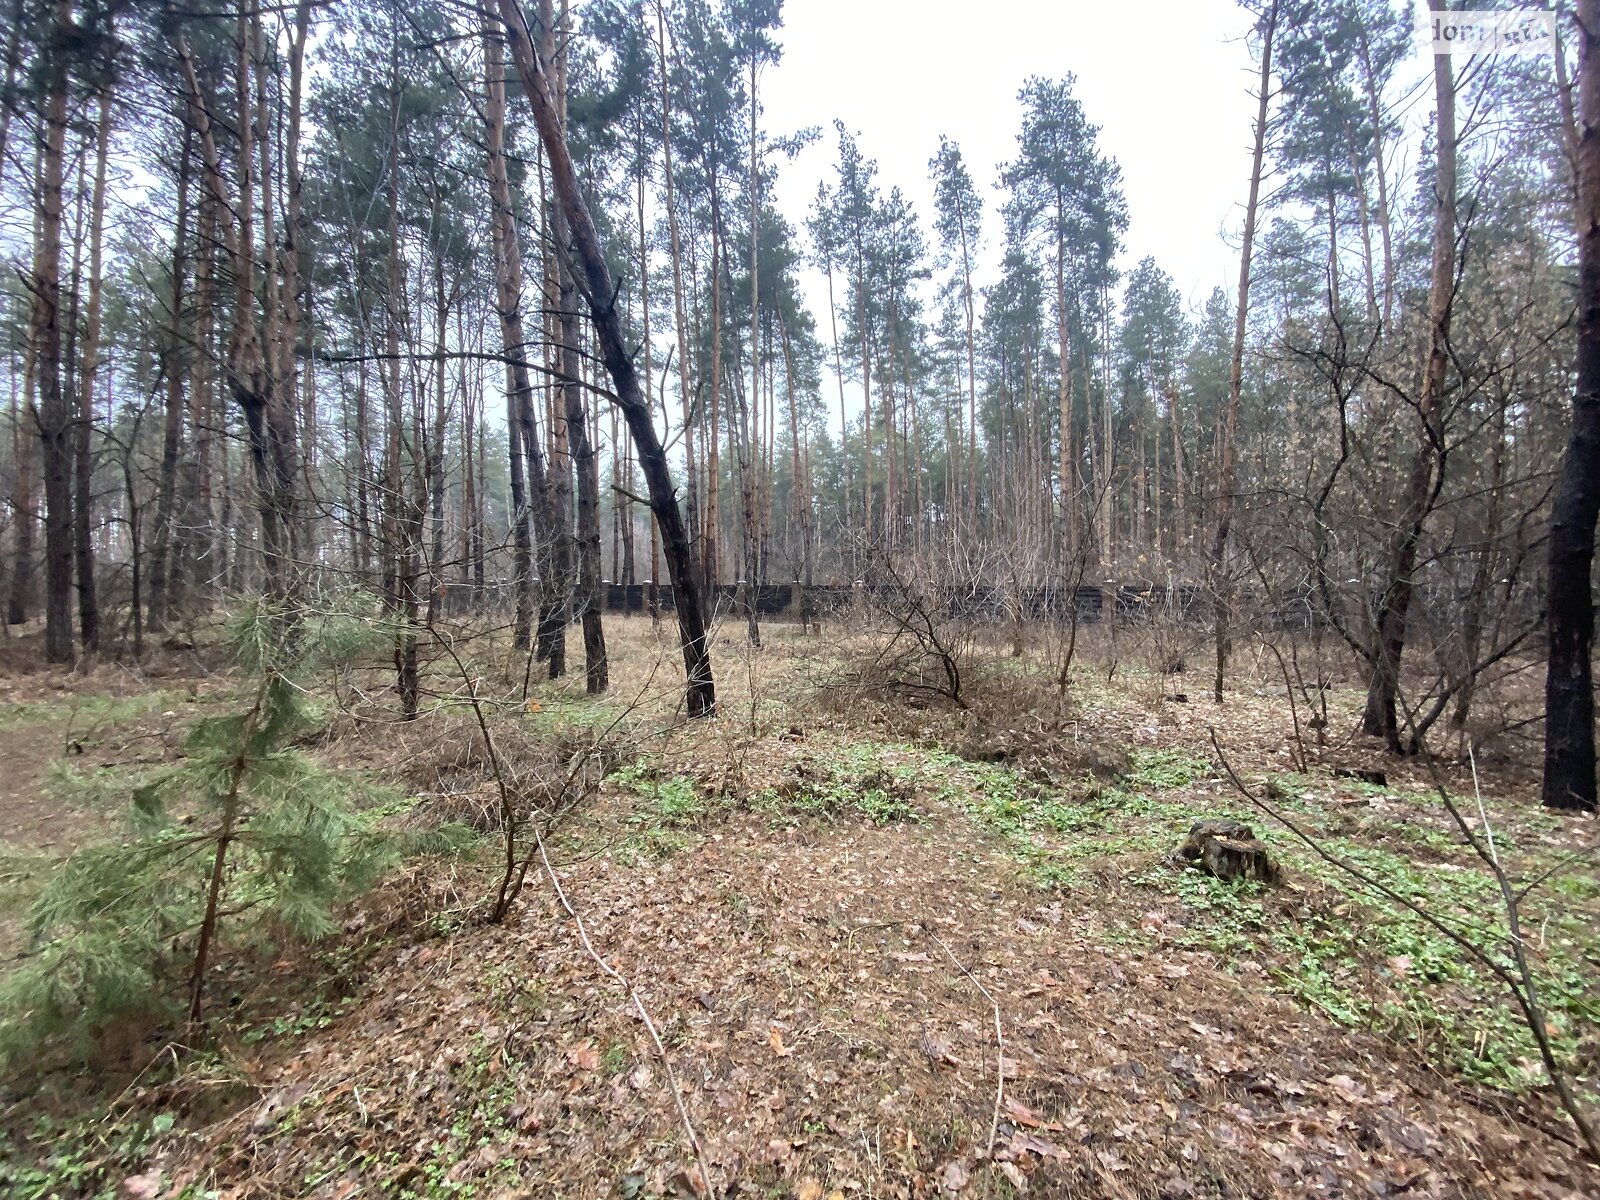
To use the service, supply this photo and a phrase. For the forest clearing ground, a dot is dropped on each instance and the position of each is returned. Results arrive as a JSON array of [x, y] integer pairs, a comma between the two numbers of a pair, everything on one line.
[[785, 888]]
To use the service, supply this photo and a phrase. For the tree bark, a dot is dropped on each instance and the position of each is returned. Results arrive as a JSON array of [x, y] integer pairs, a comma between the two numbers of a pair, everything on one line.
[[436, 431], [8, 89], [1569, 755], [88, 373], [161, 539], [599, 293], [680, 314], [53, 407], [292, 312], [586, 596], [752, 572], [711, 543], [195, 537], [1069, 462], [557, 578], [1381, 718], [24, 445], [508, 305], [269, 421], [402, 525], [1221, 585]]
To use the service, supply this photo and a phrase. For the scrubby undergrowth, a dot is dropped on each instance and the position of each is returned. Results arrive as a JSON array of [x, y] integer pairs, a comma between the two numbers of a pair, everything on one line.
[[816, 897]]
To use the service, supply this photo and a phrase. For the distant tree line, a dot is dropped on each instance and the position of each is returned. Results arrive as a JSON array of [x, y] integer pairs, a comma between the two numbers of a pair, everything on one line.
[[414, 295]]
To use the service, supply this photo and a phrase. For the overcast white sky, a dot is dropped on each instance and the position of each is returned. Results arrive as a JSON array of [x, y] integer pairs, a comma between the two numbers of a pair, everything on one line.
[[1168, 83]]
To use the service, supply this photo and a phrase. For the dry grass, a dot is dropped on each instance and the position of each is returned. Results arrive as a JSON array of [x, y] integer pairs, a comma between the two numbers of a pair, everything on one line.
[[787, 929]]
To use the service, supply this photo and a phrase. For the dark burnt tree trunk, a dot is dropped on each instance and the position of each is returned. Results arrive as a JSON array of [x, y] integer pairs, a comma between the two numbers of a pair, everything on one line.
[[1569, 767], [55, 425], [599, 293], [88, 373]]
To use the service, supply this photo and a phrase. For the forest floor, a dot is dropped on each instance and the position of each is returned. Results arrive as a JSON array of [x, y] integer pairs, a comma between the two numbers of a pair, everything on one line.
[[890, 951]]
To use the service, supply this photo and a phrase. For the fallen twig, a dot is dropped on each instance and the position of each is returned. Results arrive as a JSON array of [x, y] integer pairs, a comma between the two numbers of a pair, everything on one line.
[[999, 1040], [639, 1006], [1520, 982]]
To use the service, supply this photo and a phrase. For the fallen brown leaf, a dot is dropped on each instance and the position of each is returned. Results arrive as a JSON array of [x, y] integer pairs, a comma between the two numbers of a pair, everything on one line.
[[954, 1176]]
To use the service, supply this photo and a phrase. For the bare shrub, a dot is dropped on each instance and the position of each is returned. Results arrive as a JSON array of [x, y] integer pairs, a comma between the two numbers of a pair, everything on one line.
[[918, 629]]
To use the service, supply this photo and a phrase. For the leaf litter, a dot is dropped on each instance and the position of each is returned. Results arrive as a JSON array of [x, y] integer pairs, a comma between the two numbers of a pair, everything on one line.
[[823, 1045]]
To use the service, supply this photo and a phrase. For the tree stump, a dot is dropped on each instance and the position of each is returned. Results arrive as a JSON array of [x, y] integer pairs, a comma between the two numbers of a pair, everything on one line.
[[1228, 850]]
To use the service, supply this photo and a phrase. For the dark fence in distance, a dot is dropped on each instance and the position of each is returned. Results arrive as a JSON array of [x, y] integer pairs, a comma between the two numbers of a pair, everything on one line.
[[1292, 609], [1131, 603]]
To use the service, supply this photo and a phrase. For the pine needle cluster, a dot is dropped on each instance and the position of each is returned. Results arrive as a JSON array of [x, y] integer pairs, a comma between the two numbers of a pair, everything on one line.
[[244, 840]]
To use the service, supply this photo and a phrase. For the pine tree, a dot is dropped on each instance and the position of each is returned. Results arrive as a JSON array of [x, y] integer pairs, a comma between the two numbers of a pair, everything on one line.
[[1067, 200], [245, 838]]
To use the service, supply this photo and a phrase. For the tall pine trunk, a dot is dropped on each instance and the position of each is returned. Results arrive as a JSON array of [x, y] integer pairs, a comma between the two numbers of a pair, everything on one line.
[[586, 596], [270, 422], [88, 374], [161, 537], [195, 539], [1380, 717], [557, 574], [24, 447], [711, 543], [508, 305], [1221, 582], [55, 424], [680, 313], [1569, 757]]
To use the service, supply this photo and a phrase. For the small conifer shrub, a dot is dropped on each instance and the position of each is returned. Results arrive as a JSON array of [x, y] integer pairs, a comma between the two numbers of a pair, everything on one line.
[[244, 837]]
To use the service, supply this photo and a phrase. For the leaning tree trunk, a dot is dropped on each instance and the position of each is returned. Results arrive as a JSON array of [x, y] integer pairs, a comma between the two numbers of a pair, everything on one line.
[[1221, 585], [1569, 760], [599, 292]]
